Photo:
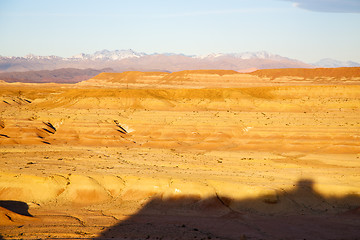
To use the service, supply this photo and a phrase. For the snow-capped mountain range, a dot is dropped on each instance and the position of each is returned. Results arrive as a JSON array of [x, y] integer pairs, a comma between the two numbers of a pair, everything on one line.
[[244, 55], [109, 55], [332, 63], [130, 60], [123, 54]]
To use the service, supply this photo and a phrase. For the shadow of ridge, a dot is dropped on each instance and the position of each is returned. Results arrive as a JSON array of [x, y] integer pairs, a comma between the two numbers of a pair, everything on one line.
[[297, 213], [16, 207]]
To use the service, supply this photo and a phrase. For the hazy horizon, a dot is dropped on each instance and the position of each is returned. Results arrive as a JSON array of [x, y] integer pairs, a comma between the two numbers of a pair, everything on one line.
[[303, 30]]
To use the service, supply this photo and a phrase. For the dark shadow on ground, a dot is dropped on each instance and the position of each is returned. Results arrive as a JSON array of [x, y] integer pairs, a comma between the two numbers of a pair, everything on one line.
[[300, 213], [16, 207]]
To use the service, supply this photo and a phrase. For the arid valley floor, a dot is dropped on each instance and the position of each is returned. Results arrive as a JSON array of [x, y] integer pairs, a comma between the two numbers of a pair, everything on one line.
[[187, 155]]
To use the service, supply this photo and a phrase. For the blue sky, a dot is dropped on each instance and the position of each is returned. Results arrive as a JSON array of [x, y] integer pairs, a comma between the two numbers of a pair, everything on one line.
[[307, 30]]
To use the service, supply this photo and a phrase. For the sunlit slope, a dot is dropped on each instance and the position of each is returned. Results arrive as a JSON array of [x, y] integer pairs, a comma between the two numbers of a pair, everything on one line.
[[299, 118], [310, 73], [182, 79], [227, 78], [318, 76], [80, 159]]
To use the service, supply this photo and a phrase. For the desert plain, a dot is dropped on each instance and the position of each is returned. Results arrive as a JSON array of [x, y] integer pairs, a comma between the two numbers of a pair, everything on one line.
[[274, 154]]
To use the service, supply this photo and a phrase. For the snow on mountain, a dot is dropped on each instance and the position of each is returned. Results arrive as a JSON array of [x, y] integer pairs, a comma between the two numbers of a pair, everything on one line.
[[80, 56], [109, 55], [244, 55], [209, 56], [252, 55], [124, 54], [332, 63], [36, 57], [168, 54], [118, 61]]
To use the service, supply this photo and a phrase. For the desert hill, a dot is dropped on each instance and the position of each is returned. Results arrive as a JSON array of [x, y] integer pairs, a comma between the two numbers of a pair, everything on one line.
[[150, 155], [190, 78], [227, 78], [70, 124], [339, 73]]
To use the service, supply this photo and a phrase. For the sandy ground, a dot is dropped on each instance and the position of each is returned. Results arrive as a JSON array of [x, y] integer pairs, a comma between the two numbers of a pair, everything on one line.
[[270, 162]]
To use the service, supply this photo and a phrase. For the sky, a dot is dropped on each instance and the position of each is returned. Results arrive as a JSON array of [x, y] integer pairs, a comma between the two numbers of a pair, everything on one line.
[[308, 30]]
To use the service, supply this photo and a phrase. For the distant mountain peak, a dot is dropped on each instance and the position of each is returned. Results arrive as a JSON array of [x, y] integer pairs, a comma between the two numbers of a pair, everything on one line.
[[243, 55], [31, 56], [110, 55], [332, 63], [130, 60]]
